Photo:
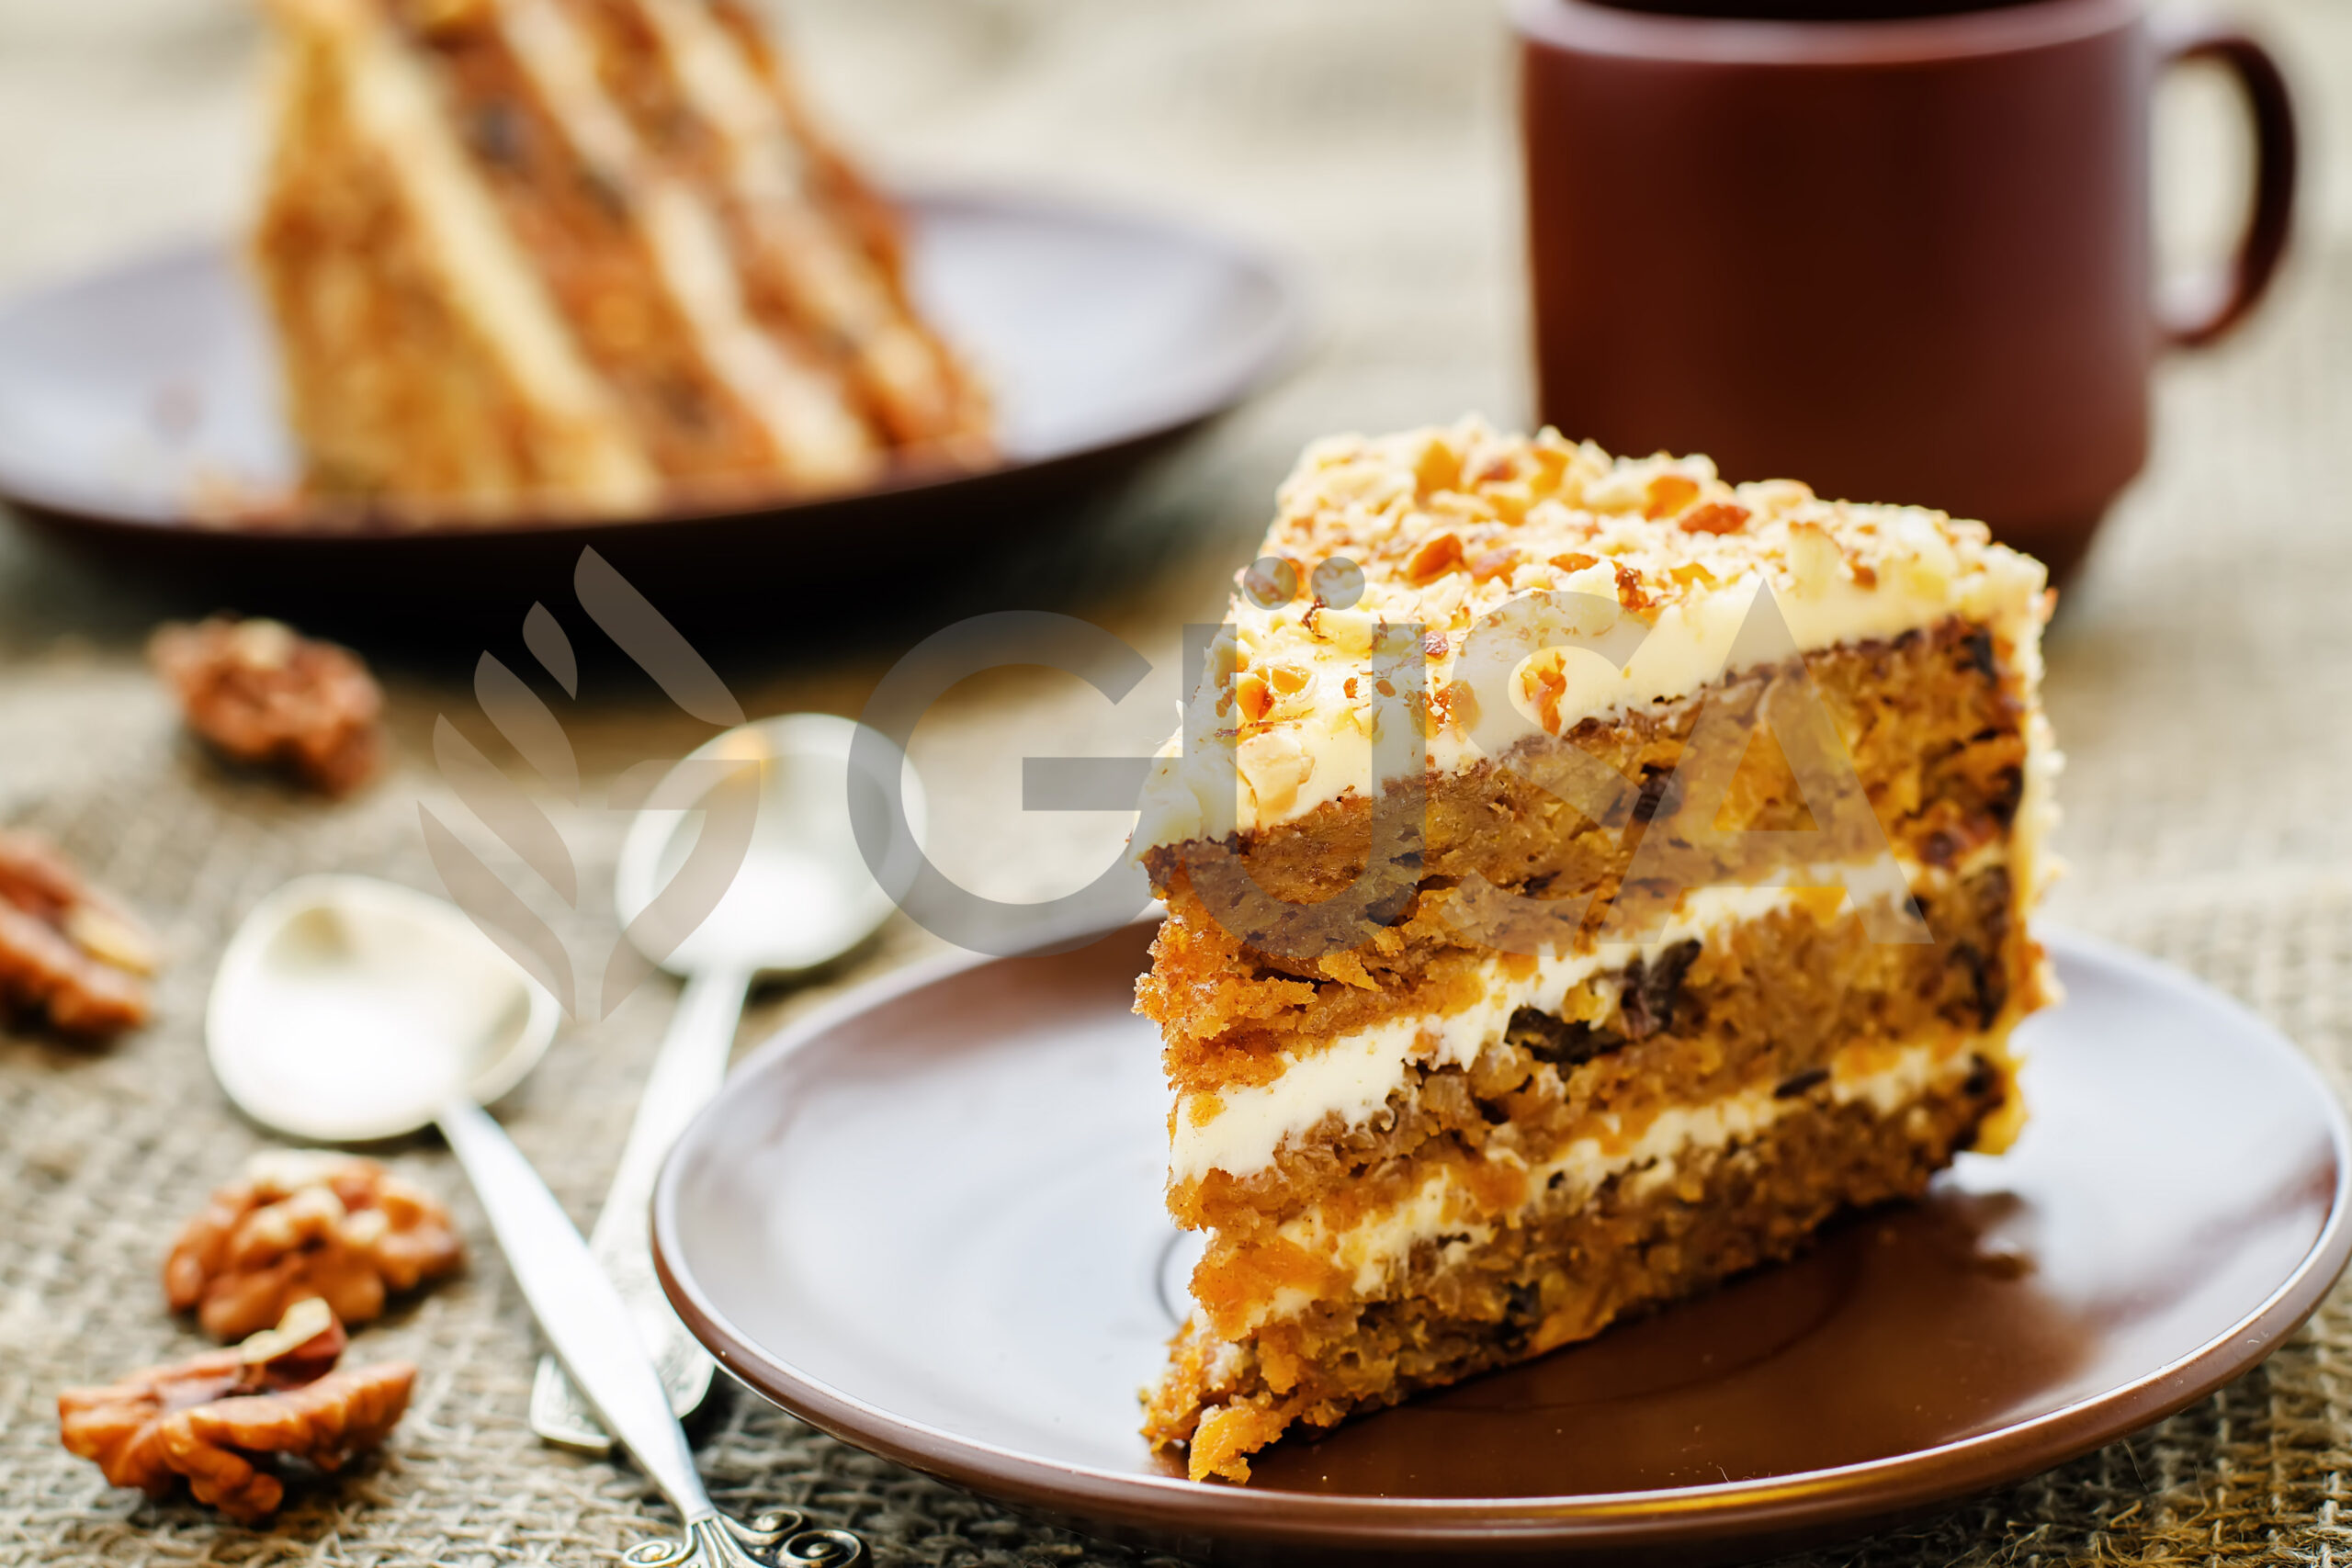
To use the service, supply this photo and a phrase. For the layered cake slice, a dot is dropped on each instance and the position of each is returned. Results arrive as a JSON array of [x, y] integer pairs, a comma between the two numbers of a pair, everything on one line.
[[1584, 877], [583, 254]]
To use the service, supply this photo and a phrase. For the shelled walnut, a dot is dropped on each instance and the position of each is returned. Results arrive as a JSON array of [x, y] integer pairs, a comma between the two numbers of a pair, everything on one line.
[[264, 696], [223, 1420], [303, 1222], [66, 949]]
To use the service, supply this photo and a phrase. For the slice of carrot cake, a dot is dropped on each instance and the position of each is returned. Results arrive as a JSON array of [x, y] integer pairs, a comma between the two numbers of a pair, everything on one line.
[[583, 254], [1584, 879]]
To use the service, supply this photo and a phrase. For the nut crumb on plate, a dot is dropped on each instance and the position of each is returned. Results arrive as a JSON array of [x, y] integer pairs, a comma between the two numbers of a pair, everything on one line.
[[222, 1418], [66, 949], [302, 1223], [264, 696]]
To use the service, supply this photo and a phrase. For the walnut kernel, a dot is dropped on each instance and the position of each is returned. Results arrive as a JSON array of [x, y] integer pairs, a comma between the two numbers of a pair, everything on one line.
[[221, 1419], [301, 1223], [263, 695], [66, 949]]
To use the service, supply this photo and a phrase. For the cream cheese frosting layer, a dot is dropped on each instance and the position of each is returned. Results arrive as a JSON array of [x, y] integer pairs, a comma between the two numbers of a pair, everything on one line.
[[1444, 1211], [1240, 1130], [1447, 526]]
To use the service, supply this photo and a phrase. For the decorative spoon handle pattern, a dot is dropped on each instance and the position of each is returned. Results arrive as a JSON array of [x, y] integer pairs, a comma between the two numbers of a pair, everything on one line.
[[590, 1326]]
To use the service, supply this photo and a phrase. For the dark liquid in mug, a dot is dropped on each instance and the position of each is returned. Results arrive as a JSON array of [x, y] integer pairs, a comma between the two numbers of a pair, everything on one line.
[[1814, 10]]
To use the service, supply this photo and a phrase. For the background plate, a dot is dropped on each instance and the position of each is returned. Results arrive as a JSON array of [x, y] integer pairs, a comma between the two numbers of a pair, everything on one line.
[[127, 392], [928, 1220]]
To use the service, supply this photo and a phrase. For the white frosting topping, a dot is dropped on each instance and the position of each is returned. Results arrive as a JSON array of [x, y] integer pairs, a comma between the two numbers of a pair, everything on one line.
[[1354, 1074], [1447, 526], [1443, 1209]]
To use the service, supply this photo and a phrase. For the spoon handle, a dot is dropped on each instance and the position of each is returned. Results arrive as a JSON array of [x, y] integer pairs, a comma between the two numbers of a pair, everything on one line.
[[577, 1307], [686, 1073]]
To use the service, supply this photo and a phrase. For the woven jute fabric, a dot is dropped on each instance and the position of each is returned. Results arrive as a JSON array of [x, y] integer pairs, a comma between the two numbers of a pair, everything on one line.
[[2201, 681]]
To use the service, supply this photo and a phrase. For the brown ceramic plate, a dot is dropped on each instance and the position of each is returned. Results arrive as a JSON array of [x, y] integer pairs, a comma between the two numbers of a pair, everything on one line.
[[129, 394], [929, 1221]]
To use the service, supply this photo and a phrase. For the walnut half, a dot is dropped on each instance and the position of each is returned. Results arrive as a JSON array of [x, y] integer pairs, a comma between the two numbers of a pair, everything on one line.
[[66, 949], [264, 696], [305, 1223], [223, 1420]]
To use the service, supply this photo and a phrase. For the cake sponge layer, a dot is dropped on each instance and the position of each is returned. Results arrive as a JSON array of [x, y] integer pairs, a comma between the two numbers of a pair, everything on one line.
[[1565, 1272]]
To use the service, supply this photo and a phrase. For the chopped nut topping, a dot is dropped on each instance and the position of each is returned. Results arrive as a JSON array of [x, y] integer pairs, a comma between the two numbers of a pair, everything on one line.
[[1715, 517], [219, 1418], [263, 695], [1439, 554], [1669, 493], [1255, 696], [1544, 683], [1273, 765], [1814, 559], [301, 1223], [1271, 586], [1440, 466], [65, 948], [1456, 704], [1497, 468], [1492, 564]]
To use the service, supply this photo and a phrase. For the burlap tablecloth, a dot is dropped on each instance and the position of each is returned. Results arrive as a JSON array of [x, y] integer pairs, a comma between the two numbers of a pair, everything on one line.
[[2201, 681]]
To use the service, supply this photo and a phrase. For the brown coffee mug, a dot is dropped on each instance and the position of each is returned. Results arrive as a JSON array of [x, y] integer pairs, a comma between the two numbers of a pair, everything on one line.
[[1899, 252]]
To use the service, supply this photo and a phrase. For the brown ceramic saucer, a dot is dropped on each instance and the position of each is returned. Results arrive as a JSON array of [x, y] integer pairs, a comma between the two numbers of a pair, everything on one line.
[[139, 404], [928, 1220]]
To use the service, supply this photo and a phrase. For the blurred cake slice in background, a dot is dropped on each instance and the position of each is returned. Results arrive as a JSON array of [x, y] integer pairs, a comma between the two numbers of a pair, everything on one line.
[[583, 257]]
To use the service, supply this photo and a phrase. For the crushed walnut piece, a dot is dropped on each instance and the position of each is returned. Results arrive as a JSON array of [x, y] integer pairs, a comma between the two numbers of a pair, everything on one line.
[[223, 1420], [305, 1223], [263, 695], [66, 949]]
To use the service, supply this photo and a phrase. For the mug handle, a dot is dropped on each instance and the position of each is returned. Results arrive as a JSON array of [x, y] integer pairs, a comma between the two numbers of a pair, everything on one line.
[[2205, 305]]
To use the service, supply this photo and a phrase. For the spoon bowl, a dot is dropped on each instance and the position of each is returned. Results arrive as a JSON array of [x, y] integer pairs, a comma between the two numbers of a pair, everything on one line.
[[804, 895], [348, 1010]]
